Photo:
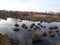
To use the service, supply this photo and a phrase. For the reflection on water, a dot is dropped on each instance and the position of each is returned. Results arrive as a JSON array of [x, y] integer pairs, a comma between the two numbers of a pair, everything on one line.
[[25, 37]]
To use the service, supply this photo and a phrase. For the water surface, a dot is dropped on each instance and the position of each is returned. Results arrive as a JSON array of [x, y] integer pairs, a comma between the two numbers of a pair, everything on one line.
[[25, 37]]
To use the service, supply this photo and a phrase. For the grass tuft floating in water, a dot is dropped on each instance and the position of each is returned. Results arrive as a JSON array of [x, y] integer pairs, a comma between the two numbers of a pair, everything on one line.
[[32, 25], [16, 27], [51, 33], [37, 38], [44, 34], [53, 27]]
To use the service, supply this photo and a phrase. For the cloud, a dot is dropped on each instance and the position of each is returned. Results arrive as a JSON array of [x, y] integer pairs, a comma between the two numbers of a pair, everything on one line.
[[30, 5]]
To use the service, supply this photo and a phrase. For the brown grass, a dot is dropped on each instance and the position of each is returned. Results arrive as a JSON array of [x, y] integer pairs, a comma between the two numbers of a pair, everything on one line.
[[34, 16]]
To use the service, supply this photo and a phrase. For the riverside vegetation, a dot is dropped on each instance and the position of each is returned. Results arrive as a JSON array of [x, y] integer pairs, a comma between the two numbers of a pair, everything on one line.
[[6, 40], [35, 16]]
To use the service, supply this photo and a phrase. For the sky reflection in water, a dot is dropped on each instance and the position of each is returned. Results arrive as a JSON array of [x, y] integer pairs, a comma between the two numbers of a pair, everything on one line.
[[25, 37]]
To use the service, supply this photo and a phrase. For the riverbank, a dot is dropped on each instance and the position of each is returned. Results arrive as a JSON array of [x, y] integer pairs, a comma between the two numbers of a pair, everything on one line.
[[6, 40], [34, 16]]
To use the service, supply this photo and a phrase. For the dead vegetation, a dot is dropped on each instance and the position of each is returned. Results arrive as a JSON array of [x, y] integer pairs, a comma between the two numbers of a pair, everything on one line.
[[6, 40], [34, 16]]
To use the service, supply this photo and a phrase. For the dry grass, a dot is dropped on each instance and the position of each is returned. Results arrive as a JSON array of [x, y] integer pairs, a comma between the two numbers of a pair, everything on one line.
[[29, 16], [6, 40]]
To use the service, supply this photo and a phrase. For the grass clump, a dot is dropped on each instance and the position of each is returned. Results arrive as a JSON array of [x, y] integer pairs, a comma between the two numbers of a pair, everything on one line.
[[6, 40]]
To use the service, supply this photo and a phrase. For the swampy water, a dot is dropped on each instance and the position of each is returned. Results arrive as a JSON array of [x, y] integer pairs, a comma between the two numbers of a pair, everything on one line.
[[24, 36]]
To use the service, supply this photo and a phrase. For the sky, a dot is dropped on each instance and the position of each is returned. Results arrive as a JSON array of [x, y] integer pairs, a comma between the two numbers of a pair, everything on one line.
[[30, 5]]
